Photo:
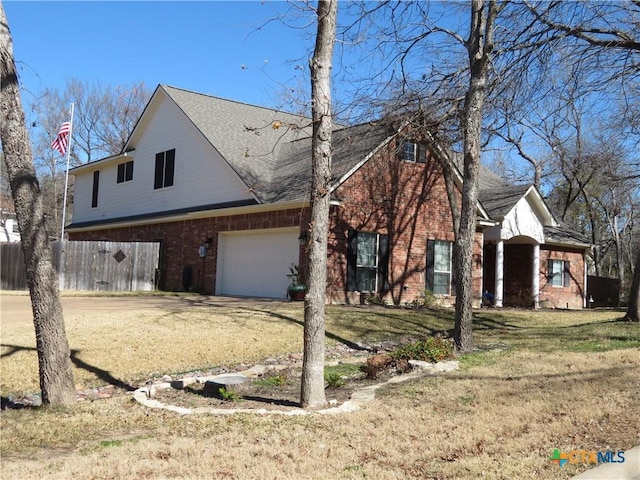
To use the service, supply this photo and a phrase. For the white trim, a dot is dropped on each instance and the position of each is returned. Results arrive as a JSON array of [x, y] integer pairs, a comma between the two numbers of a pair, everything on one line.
[[499, 273], [536, 276], [102, 162], [585, 296]]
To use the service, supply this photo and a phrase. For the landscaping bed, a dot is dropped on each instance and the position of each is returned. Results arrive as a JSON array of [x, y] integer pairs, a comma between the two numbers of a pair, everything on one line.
[[278, 389]]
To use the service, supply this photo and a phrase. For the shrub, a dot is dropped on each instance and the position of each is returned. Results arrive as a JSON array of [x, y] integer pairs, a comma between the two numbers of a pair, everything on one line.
[[334, 380], [429, 349], [271, 381], [376, 300], [229, 395], [426, 300]]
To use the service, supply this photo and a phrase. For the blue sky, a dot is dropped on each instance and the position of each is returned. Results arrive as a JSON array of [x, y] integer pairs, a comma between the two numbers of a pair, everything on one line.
[[200, 46]]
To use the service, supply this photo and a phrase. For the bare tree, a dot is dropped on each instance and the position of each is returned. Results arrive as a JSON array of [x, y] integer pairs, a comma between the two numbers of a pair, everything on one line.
[[312, 390], [479, 47], [56, 377], [104, 117], [605, 35]]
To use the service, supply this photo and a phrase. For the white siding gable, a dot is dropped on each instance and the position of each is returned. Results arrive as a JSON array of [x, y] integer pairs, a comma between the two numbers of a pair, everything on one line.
[[201, 177], [522, 220]]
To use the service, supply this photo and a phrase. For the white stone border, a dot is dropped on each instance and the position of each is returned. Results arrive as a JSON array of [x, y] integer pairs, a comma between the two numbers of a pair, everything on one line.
[[145, 395]]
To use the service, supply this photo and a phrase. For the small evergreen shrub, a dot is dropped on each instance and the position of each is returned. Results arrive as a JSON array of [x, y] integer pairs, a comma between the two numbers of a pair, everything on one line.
[[429, 349]]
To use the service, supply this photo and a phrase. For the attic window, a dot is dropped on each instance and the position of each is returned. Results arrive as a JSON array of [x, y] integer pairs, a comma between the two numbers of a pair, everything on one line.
[[413, 152]]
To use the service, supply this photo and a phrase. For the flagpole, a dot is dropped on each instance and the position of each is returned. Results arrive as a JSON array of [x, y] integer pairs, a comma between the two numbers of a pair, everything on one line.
[[66, 178]]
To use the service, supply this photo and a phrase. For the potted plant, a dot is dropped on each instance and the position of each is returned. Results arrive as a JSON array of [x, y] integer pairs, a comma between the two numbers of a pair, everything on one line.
[[297, 288]]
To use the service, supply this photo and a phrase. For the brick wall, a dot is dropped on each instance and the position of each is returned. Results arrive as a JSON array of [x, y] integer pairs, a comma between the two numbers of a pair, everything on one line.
[[180, 241], [562, 297], [408, 202]]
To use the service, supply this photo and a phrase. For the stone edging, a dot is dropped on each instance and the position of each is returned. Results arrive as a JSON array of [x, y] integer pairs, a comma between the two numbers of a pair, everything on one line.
[[144, 395]]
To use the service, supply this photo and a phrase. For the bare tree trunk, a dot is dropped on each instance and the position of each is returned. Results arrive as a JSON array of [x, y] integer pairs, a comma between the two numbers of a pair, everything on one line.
[[56, 377], [633, 310], [312, 390], [479, 47]]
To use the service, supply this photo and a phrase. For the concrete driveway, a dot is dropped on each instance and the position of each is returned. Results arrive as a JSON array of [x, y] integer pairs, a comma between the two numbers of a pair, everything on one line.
[[16, 306]]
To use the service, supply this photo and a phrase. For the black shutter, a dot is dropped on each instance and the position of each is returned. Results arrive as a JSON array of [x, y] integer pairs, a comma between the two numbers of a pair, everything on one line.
[[422, 154], [453, 272], [96, 183], [566, 277], [550, 271], [383, 263], [120, 173], [159, 175], [352, 256], [430, 264], [169, 167]]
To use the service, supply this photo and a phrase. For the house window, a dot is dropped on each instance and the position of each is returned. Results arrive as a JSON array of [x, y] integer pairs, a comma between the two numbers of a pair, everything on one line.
[[125, 172], [409, 151], [413, 152], [165, 166], [439, 270], [94, 194], [14, 227], [367, 262], [559, 273]]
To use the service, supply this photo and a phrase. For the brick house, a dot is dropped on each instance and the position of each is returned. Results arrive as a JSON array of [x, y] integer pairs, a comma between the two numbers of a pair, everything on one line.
[[224, 187]]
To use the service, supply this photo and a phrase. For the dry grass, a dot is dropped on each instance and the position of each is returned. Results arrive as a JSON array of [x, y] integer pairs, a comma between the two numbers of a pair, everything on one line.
[[559, 380]]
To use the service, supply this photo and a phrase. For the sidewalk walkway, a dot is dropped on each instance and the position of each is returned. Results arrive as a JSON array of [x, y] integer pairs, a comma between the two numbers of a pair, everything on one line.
[[628, 470]]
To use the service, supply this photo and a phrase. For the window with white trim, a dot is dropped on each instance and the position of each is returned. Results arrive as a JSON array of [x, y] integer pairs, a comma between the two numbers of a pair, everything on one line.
[[412, 152], [439, 267], [559, 273], [409, 151], [367, 262]]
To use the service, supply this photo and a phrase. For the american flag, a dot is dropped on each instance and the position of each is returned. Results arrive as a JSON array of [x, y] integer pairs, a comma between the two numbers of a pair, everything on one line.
[[62, 140]]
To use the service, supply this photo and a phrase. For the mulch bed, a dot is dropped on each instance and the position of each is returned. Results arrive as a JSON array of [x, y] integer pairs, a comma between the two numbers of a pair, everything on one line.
[[276, 390]]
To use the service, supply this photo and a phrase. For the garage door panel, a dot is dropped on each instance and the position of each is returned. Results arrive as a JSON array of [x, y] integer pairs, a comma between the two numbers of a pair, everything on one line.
[[256, 263]]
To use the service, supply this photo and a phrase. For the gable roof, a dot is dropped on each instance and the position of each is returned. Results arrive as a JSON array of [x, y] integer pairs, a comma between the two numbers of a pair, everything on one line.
[[499, 200], [270, 150]]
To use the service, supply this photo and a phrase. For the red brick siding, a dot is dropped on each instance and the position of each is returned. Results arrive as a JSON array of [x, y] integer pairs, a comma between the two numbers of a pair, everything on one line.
[[181, 240], [562, 297], [407, 201]]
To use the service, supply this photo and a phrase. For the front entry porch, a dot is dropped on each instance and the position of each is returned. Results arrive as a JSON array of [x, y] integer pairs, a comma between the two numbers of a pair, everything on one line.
[[511, 272]]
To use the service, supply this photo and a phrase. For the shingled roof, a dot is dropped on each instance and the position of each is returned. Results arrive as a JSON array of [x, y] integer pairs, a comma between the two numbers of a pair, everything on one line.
[[269, 149], [498, 200]]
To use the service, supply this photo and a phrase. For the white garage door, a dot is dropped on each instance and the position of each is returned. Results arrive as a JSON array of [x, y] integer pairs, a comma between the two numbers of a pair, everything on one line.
[[256, 263]]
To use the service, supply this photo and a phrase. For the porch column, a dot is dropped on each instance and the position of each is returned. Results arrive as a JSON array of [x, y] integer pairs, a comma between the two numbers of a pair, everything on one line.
[[535, 281], [499, 273]]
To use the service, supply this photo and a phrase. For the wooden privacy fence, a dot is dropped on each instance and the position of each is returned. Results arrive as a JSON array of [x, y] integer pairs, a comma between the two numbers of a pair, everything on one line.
[[605, 292], [108, 266]]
